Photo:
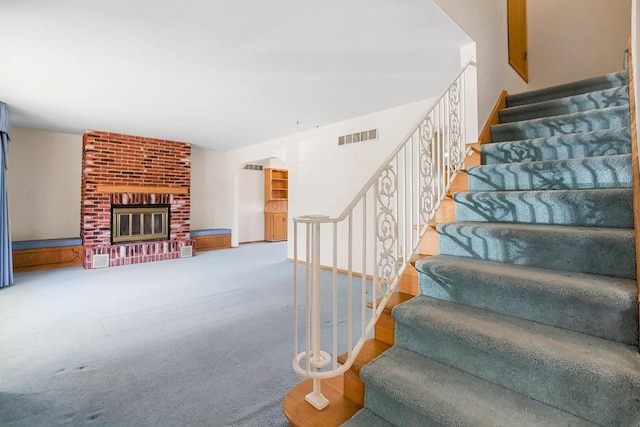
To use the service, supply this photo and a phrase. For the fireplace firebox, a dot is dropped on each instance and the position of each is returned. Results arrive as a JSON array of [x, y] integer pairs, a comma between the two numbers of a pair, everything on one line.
[[139, 223]]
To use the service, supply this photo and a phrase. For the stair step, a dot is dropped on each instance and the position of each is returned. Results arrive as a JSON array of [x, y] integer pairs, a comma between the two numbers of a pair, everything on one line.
[[584, 121], [619, 78], [592, 378], [371, 349], [585, 173], [559, 147], [600, 207], [366, 418], [606, 98], [591, 250], [601, 306], [412, 390], [353, 386], [385, 326]]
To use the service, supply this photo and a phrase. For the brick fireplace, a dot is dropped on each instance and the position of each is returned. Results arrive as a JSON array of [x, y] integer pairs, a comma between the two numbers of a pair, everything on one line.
[[120, 170]]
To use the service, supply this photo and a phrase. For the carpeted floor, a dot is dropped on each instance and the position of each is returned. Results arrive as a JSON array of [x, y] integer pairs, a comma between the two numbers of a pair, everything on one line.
[[201, 341]]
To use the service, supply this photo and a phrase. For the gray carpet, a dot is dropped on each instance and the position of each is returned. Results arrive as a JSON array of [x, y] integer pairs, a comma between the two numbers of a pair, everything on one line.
[[205, 341], [528, 316]]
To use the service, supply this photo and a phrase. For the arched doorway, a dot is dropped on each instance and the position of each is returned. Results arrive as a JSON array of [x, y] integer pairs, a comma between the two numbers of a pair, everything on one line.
[[250, 197]]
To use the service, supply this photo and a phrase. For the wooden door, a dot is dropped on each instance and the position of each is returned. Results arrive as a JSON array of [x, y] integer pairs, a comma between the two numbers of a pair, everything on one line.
[[517, 27]]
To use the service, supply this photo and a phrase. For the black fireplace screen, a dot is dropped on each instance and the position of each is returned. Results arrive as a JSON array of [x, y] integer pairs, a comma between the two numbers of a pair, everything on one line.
[[132, 223]]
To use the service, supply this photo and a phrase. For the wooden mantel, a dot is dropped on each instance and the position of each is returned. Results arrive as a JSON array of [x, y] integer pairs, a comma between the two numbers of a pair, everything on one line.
[[141, 190]]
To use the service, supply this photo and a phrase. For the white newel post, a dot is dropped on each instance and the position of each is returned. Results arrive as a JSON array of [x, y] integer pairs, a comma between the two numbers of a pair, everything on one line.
[[319, 358]]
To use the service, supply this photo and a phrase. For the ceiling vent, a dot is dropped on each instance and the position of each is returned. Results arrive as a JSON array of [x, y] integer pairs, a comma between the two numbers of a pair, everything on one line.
[[366, 135], [253, 167]]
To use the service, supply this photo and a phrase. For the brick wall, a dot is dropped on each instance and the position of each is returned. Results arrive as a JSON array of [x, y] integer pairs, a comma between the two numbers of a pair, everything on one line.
[[122, 160]]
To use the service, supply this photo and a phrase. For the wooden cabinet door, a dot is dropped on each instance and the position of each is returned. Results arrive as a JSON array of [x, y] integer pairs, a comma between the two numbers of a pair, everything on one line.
[[280, 226], [275, 226], [517, 22]]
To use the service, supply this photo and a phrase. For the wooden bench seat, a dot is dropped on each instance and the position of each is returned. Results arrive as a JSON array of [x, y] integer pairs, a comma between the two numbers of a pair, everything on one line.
[[214, 238], [44, 254]]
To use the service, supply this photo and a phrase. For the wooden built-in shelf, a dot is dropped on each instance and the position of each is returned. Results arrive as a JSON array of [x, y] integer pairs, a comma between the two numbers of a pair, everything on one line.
[[276, 196], [141, 190]]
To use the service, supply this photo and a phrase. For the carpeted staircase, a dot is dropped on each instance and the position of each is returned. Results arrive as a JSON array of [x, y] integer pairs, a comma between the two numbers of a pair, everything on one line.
[[529, 315]]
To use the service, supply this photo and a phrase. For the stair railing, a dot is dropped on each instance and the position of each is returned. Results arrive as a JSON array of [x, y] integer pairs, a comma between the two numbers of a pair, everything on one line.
[[368, 247]]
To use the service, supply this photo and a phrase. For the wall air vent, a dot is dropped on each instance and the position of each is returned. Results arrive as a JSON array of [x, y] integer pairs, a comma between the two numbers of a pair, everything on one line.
[[366, 135], [253, 167], [100, 261], [186, 252]]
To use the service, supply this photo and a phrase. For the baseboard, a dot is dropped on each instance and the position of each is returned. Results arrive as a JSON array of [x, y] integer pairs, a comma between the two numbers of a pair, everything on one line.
[[340, 270], [493, 119]]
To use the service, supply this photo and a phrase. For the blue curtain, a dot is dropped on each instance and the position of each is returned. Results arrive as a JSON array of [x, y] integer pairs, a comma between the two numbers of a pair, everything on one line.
[[6, 262]]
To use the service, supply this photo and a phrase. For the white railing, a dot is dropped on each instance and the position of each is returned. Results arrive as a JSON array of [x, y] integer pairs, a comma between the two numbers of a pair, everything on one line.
[[367, 248]]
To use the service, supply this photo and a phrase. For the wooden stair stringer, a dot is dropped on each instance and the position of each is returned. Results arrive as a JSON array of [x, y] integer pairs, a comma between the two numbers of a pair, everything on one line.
[[446, 213]]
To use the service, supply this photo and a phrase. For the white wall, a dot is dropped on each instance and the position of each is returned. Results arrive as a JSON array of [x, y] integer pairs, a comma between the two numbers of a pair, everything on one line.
[[486, 23], [206, 186], [324, 177], [43, 177], [576, 39]]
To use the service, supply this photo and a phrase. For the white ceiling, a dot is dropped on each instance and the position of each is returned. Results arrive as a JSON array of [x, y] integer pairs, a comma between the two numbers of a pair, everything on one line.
[[218, 73]]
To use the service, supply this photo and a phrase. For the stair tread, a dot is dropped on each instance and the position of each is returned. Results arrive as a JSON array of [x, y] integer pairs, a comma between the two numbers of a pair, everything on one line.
[[615, 79], [581, 285], [602, 207], [594, 250], [300, 413], [588, 172], [583, 144], [592, 304], [452, 397], [565, 137], [583, 121], [602, 98], [538, 228], [417, 257], [546, 163], [397, 297], [371, 349], [612, 361]]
